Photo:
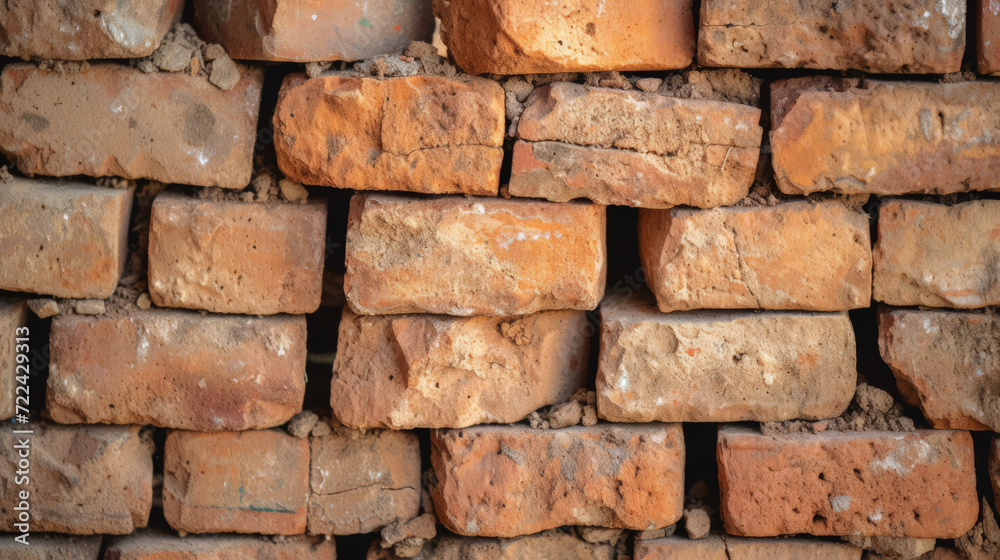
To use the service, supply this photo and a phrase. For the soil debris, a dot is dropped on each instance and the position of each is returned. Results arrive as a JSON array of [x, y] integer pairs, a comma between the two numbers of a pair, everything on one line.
[[983, 541], [872, 409], [417, 58], [580, 408], [267, 185], [729, 84], [183, 51], [612, 79], [5, 174], [64, 66], [893, 548], [44, 307], [302, 424]]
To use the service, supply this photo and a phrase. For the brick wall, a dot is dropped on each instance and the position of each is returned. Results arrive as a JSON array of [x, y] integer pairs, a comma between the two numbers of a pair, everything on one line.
[[500, 279]]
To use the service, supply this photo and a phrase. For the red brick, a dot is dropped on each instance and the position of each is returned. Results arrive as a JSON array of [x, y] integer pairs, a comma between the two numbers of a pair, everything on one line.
[[938, 255], [13, 315], [236, 482], [42, 29], [336, 30], [236, 257], [458, 256], [361, 482], [505, 481], [429, 134], [947, 363], [727, 547], [221, 372], [795, 255], [634, 148], [864, 136], [112, 119], [548, 546], [900, 484], [51, 546], [987, 36], [528, 37], [166, 546], [84, 480], [423, 371], [62, 238]]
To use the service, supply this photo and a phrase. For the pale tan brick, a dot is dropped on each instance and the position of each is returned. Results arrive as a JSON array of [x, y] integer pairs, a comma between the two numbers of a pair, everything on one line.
[[50, 546], [13, 317], [727, 547], [987, 36], [165, 546], [550, 546]]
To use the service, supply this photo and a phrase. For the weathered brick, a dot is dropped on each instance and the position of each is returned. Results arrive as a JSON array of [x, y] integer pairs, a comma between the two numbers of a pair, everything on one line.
[[427, 371], [880, 36], [528, 37], [85, 30], [947, 363], [51, 546], [361, 482], [938, 255], [795, 255], [864, 136], [722, 366], [473, 256], [84, 480], [988, 36], [900, 484], [505, 481], [236, 482], [165, 546], [221, 372], [236, 257], [62, 238], [13, 315], [633, 148], [550, 546], [429, 134], [112, 119], [727, 547], [316, 31]]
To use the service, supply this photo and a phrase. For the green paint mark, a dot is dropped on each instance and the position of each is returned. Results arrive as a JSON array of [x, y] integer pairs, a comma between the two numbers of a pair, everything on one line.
[[363, 22]]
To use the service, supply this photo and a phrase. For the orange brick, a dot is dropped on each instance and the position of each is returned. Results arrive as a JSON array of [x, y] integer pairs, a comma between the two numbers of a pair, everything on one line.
[[13, 315], [987, 36], [165, 546], [50, 546]]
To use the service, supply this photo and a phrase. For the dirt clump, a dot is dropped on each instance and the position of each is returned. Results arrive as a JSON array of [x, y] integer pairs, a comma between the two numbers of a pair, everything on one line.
[[183, 51], [64, 66], [581, 408], [872, 410], [730, 85], [417, 58], [5, 174], [267, 185], [302, 424], [982, 542], [612, 79]]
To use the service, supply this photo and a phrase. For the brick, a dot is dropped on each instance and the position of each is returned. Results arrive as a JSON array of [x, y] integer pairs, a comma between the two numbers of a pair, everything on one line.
[[428, 134], [552, 546], [237, 257], [894, 36], [864, 136], [526, 37], [84, 480], [112, 119], [505, 481], [794, 255], [427, 371], [221, 372], [634, 148], [727, 547], [236, 482], [473, 256], [361, 482], [947, 363], [987, 36], [297, 32], [51, 546], [42, 29], [13, 316], [722, 366], [62, 238], [898, 484], [938, 255], [165, 546]]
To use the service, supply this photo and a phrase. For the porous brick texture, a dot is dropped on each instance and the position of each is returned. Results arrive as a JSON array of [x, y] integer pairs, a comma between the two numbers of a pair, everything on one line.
[[236, 257], [726, 547], [994, 466], [901, 484], [114, 120], [236, 482], [164, 546], [51, 546], [436, 371], [62, 238], [633, 148], [13, 316], [552, 546], [988, 36], [507, 481], [84, 480], [177, 369]]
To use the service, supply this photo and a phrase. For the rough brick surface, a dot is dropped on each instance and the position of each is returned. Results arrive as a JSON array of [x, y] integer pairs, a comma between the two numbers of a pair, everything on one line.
[[634, 148], [112, 119], [726, 547], [937, 255], [219, 372], [988, 36], [84, 480], [946, 362], [514, 480], [167, 546], [795, 255], [236, 482], [994, 466], [528, 37], [901, 484], [879, 36], [550, 546], [864, 136], [359, 483], [85, 29], [428, 134], [426, 371], [473, 256], [13, 315], [51, 546], [62, 238], [236, 257], [722, 366], [337, 30]]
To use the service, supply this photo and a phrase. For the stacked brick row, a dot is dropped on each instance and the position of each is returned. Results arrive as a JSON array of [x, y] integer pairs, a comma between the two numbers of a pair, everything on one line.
[[470, 285]]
